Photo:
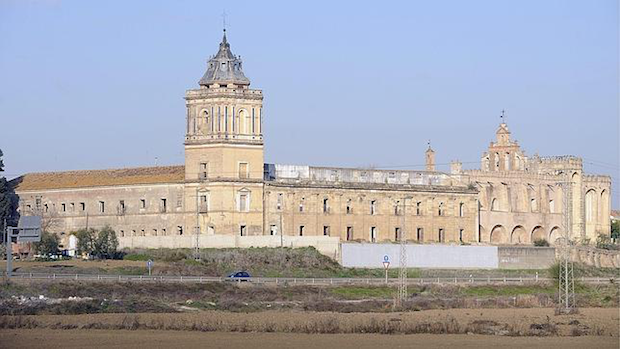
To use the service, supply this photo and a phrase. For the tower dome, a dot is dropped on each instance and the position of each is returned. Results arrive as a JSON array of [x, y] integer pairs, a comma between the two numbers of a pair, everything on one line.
[[224, 68]]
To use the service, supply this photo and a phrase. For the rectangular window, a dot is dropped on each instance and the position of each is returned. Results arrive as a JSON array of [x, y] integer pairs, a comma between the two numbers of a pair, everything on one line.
[[461, 209], [418, 208], [142, 204], [243, 202], [325, 230], [180, 230], [242, 230], [349, 207], [420, 234], [63, 207], [397, 208], [154, 232], [37, 203], [397, 234], [301, 230], [133, 232], [82, 206], [243, 170], [273, 229], [461, 234], [162, 205], [179, 200], [203, 170], [301, 205], [349, 233], [101, 207], [325, 205], [279, 202], [204, 204], [373, 234], [373, 207], [142, 232], [121, 207], [442, 235], [163, 232], [122, 233], [46, 208], [72, 207]]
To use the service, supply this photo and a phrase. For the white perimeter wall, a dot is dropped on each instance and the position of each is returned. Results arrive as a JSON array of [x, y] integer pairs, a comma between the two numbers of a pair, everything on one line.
[[361, 255]]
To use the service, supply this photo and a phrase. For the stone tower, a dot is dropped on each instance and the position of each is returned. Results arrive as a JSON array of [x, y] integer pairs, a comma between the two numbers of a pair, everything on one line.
[[430, 158], [224, 149]]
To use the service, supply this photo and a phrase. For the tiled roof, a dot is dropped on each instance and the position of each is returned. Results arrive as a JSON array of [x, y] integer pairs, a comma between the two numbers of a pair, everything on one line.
[[96, 178]]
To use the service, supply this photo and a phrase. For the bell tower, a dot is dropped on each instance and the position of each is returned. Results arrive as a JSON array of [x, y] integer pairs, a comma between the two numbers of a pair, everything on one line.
[[224, 147]]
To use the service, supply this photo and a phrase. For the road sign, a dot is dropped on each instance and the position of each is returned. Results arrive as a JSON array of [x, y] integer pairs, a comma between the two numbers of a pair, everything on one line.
[[386, 265], [386, 261], [149, 264]]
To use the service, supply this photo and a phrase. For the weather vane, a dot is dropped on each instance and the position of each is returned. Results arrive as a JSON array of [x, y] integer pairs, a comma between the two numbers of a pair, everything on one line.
[[224, 20]]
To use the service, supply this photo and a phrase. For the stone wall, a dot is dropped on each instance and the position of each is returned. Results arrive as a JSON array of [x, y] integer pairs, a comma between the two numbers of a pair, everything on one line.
[[326, 245], [525, 257]]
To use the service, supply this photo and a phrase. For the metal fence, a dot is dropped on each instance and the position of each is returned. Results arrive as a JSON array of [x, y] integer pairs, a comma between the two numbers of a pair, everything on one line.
[[301, 281]]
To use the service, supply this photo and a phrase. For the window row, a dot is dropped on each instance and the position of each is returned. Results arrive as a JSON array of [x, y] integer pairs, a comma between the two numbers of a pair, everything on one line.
[[373, 234], [102, 206], [243, 171], [373, 207], [149, 232]]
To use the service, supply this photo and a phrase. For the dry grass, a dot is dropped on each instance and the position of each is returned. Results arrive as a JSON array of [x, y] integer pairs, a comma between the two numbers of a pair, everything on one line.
[[328, 325]]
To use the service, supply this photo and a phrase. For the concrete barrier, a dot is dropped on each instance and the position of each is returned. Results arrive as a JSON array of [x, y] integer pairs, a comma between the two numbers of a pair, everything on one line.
[[361, 255]]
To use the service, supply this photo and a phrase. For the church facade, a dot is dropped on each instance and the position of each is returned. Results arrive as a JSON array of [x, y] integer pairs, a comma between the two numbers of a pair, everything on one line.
[[225, 194]]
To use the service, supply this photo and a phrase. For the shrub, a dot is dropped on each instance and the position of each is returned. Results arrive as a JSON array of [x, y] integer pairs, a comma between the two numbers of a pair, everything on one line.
[[105, 244], [48, 244], [541, 243]]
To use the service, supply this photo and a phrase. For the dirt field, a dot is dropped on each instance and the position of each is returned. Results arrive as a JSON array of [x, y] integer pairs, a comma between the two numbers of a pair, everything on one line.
[[170, 339], [492, 322]]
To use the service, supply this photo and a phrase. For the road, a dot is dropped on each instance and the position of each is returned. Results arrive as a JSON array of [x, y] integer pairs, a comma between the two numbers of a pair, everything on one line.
[[299, 281]]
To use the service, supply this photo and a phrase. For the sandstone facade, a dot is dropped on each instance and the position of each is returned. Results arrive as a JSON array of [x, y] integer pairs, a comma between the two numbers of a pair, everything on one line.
[[226, 195]]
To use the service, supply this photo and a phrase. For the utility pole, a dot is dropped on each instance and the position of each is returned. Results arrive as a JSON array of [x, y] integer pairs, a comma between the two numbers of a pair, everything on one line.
[[402, 272], [566, 279], [197, 230]]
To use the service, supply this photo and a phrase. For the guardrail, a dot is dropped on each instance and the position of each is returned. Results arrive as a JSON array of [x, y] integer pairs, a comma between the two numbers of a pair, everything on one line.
[[300, 281]]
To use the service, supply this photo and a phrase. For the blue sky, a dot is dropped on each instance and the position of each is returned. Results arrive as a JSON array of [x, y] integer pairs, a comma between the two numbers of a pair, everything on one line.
[[100, 84]]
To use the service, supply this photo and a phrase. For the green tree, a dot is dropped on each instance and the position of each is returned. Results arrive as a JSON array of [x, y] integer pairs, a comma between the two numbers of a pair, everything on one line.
[[8, 200], [48, 244], [105, 244], [615, 229], [86, 241]]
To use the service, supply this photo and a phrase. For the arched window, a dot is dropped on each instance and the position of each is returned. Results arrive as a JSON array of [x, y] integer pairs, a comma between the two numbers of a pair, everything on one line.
[[551, 206], [590, 206], [206, 127], [494, 205]]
